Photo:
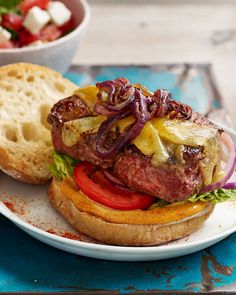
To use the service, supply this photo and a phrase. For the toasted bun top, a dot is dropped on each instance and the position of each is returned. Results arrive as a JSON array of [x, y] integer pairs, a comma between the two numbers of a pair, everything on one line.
[[160, 215], [27, 93]]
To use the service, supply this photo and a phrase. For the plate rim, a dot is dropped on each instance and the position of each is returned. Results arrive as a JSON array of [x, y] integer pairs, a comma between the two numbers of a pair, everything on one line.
[[5, 211]]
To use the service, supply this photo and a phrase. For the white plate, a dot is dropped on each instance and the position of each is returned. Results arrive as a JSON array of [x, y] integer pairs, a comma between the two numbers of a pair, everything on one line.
[[31, 211]]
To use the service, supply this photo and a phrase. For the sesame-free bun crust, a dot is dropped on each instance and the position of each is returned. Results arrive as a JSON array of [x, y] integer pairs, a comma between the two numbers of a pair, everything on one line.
[[124, 234], [27, 93]]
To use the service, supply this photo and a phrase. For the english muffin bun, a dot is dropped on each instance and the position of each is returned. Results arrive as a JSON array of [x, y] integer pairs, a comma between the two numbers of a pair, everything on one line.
[[124, 233], [27, 93]]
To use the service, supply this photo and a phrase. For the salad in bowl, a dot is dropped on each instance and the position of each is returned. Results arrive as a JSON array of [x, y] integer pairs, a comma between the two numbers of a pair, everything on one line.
[[33, 22]]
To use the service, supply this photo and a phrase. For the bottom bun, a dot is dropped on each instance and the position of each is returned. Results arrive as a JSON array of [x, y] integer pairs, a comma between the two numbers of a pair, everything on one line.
[[124, 234]]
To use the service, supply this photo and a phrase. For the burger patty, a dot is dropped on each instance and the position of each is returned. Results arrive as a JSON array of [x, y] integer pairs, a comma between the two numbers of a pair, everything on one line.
[[172, 181], [84, 150]]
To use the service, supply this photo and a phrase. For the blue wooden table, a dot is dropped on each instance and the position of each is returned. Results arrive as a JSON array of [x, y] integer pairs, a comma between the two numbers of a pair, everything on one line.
[[27, 265]]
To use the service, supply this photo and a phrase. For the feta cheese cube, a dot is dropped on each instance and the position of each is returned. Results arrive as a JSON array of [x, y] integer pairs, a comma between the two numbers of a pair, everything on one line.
[[59, 13], [4, 35], [36, 19], [36, 43]]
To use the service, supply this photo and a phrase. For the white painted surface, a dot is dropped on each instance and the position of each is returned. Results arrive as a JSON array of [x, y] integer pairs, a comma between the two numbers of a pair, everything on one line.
[[148, 32]]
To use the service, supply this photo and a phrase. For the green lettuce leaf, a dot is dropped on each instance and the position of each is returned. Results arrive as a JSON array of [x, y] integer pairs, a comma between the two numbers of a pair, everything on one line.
[[159, 203], [216, 196], [62, 166]]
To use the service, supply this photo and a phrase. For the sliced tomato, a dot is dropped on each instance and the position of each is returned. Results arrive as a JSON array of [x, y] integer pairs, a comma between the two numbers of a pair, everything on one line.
[[93, 183], [25, 5], [8, 44], [25, 37], [12, 21], [50, 33]]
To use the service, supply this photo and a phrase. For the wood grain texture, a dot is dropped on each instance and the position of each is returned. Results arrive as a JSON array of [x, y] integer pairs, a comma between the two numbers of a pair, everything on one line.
[[32, 267], [147, 32]]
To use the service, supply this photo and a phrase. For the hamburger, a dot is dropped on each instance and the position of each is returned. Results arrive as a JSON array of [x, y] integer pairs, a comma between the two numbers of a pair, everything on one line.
[[136, 168]]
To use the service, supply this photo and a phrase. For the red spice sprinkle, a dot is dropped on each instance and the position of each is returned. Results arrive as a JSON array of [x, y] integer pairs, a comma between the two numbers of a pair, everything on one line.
[[70, 236], [64, 235], [51, 231], [10, 206]]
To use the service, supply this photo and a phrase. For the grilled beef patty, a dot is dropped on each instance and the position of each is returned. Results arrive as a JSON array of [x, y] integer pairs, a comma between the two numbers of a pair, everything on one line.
[[84, 150], [172, 181]]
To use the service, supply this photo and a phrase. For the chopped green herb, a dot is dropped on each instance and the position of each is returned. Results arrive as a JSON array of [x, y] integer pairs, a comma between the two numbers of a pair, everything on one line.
[[9, 4], [14, 34]]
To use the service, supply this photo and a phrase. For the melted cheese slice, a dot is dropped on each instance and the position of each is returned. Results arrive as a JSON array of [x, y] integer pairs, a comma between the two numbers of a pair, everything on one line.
[[209, 165], [162, 215], [150, 143], [183, 132], [152, 138], [73, 130], [88, 94]]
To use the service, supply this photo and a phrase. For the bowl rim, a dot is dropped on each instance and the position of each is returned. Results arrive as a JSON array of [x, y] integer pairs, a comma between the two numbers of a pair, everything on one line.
[[79, 28]]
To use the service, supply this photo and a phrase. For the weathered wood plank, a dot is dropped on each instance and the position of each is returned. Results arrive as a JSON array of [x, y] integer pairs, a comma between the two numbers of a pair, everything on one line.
[[147, 32]]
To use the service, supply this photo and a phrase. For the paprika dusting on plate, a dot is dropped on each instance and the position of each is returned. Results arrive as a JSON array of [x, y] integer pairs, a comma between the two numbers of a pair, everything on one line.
[[69, 235], [10, 206]]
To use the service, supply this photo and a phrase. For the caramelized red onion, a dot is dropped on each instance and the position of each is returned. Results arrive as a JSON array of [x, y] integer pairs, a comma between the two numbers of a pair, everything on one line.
[[179, 110], [118, 99], [229, 168], [160, 102], [141, 115], [112, 178], [230, 185], [116, 182], [100, 109], [115, 95], [127, 98]]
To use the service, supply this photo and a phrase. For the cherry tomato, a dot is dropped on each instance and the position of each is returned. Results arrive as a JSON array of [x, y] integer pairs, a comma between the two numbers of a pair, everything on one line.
[[25, 5], [67, 27], [50, 33], [99, 189], [25, 37], [12, 21], [8, 44]]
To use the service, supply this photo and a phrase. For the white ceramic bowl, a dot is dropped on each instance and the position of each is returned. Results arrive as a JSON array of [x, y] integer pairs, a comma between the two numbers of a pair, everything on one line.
[[57, 54]]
